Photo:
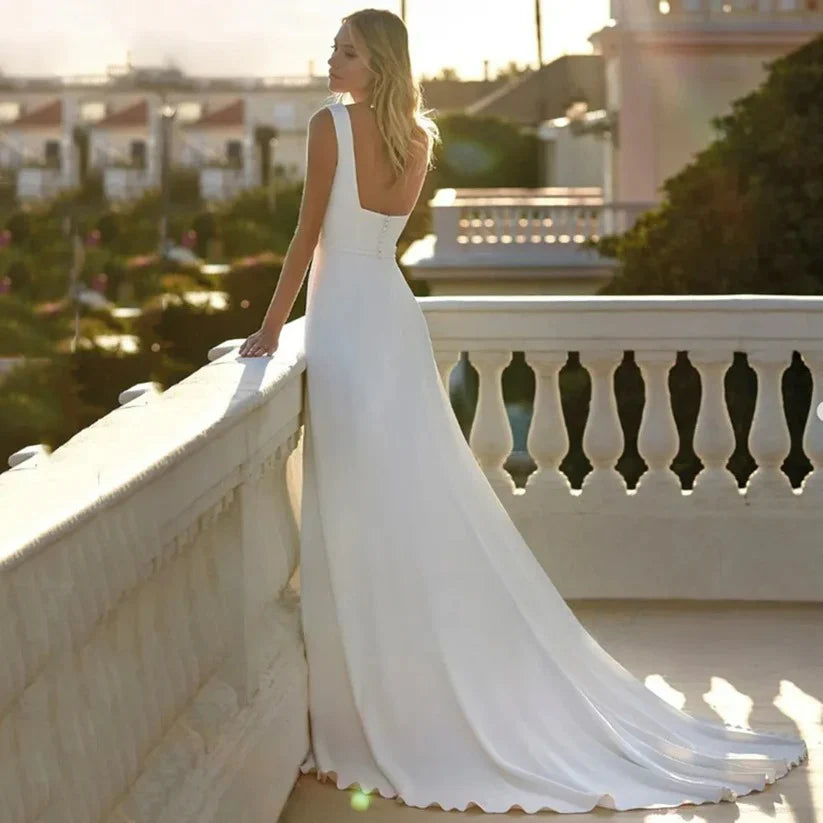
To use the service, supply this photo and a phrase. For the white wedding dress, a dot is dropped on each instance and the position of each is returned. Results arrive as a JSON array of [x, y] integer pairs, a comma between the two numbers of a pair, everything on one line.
[[444, 666]]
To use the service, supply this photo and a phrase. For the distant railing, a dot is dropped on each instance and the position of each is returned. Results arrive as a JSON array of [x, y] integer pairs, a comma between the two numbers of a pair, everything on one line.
[[628, 10], [124, 183], [218, 183], [521, 223], [478, 219], [38, 182]]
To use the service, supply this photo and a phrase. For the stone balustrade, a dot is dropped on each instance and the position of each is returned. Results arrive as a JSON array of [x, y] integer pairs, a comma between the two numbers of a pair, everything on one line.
[[533, 241], [632, 10], [153, 665], [152, 655], [526, 222], [713, 541]]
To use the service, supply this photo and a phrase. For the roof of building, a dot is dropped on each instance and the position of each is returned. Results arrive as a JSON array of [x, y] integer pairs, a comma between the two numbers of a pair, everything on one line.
[[453, 95], [137, 114], [49, 114], [232, 114], [548, 92]]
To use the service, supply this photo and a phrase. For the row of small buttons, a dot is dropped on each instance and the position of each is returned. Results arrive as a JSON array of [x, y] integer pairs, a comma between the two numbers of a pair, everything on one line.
[[382, 235]]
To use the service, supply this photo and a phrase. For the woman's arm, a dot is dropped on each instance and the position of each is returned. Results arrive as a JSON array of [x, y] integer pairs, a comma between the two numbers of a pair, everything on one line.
[[321, 161]]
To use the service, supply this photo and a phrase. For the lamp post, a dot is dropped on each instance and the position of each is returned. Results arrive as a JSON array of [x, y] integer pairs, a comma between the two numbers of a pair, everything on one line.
[[272, 176], [167, 113], [72, 231]]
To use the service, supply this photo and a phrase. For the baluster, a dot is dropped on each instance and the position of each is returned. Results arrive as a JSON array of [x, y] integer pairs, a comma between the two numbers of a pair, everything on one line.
[[713, 435], [493, 229], [181, 621], [544, 229], [201, 583], [173, 646], [36, 740], [489, 223], [223, 570], [76, 789], [166, 661], [471, 225], [12, 780], [769, 440], [548, 440], [119, 573], [220, 563], [535, 225], [564, 224], [464, 228], [657, 439], [29, 603], [110, 691], [446, 360], [79, 727], [505, 228], [179, 612], [98, 761], [603, 435], [133, 696], [479, 222], [96, 695], [151, 673], [33, 791], [592, 231], [551, 229], [812, 487], [558, 222], [491, 436], [13, 672], [580, 218]]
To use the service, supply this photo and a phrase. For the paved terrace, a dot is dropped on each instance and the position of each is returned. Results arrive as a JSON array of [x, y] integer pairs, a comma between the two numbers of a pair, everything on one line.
[[756, 664]]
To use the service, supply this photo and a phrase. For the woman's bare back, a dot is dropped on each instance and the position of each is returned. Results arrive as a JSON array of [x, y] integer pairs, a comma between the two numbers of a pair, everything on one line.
[[373, 172]]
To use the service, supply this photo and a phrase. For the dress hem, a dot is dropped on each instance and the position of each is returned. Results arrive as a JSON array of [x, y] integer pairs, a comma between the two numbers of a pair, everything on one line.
[[606, 800]]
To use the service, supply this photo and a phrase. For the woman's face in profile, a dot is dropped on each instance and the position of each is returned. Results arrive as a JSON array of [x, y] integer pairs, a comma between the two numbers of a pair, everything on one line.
[[348, 64]]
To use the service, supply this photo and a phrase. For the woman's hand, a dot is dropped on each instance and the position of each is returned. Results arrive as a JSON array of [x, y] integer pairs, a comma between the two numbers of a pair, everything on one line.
[[262, 342]]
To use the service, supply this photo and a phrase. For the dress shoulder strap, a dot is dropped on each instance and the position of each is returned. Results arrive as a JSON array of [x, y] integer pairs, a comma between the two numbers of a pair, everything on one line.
[[342, 128]]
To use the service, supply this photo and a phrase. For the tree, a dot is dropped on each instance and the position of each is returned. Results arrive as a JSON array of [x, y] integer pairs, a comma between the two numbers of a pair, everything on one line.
[[447, 73], [483, 152], [511, 70], [746, 215], [23, 332]]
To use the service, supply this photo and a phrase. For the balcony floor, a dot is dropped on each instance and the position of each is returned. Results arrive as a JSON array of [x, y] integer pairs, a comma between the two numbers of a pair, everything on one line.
[[694, 654]]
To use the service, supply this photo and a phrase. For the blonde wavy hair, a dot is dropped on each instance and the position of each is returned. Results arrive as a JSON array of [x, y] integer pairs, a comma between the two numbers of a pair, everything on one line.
[[393, 92]]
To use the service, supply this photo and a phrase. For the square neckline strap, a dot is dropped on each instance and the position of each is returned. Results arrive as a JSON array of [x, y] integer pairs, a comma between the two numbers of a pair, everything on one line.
[[353, 167]]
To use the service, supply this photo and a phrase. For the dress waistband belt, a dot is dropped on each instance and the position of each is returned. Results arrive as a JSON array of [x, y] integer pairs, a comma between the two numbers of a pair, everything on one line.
[[383, 253]]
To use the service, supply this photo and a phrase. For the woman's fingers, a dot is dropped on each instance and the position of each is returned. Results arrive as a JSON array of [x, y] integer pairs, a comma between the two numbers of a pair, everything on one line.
[[252, 347], [248, 346]]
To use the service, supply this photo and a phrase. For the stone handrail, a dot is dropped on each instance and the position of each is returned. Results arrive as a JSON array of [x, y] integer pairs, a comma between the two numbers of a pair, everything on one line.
[[151, 649]]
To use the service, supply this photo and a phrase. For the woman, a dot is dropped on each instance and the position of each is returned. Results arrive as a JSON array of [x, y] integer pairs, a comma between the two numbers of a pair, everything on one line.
[[444, 666]]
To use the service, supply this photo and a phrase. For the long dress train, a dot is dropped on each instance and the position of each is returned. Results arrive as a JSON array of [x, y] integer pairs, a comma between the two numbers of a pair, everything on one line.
[[444, 666]]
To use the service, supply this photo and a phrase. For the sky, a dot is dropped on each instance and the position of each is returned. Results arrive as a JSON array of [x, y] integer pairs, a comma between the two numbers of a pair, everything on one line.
[[279, 37]]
